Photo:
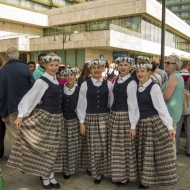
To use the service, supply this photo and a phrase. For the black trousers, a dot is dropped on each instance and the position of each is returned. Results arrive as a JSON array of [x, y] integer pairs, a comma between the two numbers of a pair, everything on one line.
[[2, 137]]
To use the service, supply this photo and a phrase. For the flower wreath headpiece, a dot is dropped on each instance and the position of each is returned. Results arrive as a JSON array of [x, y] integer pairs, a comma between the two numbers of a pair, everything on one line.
[[96, 62], [67, 70], [49, 58], [124, 59], [143, 62]]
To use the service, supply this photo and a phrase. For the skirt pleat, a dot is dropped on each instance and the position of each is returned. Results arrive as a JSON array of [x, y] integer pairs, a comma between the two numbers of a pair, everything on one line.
[[38, 148], [122, 154], [97, 142], [156, 160], [72, 147]]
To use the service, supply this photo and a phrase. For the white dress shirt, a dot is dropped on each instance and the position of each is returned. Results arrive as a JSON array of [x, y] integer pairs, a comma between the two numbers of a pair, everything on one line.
[[82, 101], [132, 103], [34, 95], [69, 91], [159, 103]]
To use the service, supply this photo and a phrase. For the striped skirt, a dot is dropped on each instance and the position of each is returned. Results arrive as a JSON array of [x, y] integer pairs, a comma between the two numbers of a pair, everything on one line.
[[38, 148], [97, 142], [155, 154], [72, 147], [122, 155]]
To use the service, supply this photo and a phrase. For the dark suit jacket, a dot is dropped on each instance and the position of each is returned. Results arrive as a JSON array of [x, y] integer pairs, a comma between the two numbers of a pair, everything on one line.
[[15, 81]]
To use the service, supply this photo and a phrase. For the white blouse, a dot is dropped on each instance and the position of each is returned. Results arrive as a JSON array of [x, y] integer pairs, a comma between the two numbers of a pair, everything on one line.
[[69, 91], [159, 103], [34, 96], [132, 103], [82, 101]]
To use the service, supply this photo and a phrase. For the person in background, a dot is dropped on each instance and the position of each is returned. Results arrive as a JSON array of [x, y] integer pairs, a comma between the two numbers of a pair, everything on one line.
[[40, 70], [159, 71], [173, 89], [93, 114], [185, 117], [15, 81], [156, 164], [2, 132], [122, 125], [71, 133], [85, 74], [32, 66], [61, 78], [155, 76], [38, 149]]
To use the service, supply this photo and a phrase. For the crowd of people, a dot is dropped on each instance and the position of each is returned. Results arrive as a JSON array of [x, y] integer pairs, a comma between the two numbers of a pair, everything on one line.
[[116, 121]]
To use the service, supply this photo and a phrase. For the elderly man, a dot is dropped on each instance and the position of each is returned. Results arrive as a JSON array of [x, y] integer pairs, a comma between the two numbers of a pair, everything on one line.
[[15, 81], [173, 89]]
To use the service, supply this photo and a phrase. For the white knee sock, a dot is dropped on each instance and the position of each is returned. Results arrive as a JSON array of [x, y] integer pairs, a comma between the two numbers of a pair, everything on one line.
[[52, 178]]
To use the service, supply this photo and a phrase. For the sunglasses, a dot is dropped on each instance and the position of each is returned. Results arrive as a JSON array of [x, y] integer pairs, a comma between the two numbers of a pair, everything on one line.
[[168, 63]]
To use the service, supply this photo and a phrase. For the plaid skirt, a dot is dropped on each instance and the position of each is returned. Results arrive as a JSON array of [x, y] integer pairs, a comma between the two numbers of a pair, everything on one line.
[[122, 155], [155, 154], [72, 147], [97, 142], [38, 148]]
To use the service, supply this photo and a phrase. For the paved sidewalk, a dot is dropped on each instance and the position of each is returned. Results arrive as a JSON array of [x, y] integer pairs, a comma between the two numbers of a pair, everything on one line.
[[15, 180]]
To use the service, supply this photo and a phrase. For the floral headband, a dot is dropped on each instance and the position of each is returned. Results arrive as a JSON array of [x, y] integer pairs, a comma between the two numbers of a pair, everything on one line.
[[143, 66], [95, 62], [49, 58], [124, 59], [141, 58], [71, 70]]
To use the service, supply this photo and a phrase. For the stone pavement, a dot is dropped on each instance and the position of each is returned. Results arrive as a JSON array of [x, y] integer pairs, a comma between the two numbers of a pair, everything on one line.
[[15, 180]]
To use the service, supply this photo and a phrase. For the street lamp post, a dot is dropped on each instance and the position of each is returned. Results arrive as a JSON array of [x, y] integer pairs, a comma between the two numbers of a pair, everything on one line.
[[163, 34]]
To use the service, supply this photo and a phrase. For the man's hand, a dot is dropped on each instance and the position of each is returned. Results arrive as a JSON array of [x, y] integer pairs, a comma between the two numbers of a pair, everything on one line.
[[82, 129], [18, 122]]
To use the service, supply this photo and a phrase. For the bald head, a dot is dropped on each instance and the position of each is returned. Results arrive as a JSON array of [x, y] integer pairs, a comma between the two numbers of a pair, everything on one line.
[[156, 62], [12, 53]]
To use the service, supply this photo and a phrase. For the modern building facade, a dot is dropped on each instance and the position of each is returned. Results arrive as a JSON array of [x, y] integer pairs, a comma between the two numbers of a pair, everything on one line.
[[102, 29], [180, 7]]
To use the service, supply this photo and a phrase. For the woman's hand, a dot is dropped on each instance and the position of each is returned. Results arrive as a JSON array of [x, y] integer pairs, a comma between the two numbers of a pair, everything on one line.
[[18, 122], [82, 129], [132, 133], [172, 133]]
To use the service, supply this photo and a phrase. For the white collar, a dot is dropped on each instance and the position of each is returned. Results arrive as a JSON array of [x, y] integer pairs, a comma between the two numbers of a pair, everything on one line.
[[51, 78], [70, 89], [96, 80], [125, 77], [146, 83]]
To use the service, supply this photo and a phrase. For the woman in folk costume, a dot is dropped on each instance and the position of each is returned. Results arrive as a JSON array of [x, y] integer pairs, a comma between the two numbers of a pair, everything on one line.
[[71, 133], [38, 147], [123, 120], [93, 113], [155, 155]]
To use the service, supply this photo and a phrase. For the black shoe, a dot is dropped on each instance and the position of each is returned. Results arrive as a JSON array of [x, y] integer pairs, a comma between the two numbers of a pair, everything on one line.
[[187, 154], [143, 187], [66, 176], [49, 186], [89, 173], [122, 184], [3, 159], [97, 181], [55, 185]]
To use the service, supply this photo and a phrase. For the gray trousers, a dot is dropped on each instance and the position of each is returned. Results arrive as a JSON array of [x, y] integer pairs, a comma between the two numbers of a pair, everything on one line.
[[186, 120]]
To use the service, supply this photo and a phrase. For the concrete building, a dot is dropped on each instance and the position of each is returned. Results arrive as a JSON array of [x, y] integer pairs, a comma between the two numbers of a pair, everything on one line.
[[102, 29], [180, 7]]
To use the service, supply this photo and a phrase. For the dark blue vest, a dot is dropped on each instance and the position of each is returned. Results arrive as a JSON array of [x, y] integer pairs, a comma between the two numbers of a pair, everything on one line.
[[146, 106], [51, 100], [97, 97], [69, 104], [120, 95]]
